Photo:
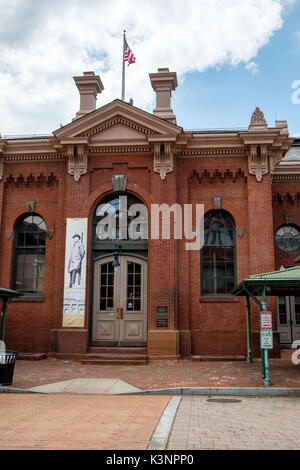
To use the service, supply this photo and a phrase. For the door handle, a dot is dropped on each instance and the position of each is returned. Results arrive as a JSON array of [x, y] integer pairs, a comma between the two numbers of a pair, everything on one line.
[[119, 314]]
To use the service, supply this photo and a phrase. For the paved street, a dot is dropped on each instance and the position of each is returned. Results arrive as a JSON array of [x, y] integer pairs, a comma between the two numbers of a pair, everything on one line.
[[63, 421], [253, 423]]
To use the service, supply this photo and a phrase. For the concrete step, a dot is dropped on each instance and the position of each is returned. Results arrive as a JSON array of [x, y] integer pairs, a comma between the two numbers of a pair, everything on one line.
[[113, 361], [117, 350], [217, 358], [115, 355], [31, 356]]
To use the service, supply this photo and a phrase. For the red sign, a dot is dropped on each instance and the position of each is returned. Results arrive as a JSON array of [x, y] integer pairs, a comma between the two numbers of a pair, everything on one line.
[[266, 320]]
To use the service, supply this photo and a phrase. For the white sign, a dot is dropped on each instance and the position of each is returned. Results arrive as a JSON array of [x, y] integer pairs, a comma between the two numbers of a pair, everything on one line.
[[266, 339], [266, 320]]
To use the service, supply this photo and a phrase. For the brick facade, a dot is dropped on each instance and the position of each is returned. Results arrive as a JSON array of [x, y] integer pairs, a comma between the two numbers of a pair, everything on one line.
[[121, 139]]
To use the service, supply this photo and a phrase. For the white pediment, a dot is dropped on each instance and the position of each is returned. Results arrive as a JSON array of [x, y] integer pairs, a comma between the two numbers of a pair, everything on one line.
[[117, 121], [115, 133]]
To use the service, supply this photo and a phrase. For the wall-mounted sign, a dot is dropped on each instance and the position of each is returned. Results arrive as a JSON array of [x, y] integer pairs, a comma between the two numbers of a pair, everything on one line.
[[75, 273], [162, 316]]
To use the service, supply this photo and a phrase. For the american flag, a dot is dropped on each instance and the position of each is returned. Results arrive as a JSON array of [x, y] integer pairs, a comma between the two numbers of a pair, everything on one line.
[[128, 54]]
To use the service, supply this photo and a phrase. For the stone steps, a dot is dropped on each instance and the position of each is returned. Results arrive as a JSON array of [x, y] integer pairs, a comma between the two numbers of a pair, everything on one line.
[[117, 356]]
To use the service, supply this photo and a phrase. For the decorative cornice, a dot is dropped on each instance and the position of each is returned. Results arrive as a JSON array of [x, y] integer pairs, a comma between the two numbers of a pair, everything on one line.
[[119, 150], [115, 121], [31, 180], [212, 152], [28, 158], [207, 177], [285, 178]]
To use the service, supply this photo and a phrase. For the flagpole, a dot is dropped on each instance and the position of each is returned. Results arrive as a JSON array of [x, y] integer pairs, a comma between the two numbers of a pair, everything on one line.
[[123, 68]]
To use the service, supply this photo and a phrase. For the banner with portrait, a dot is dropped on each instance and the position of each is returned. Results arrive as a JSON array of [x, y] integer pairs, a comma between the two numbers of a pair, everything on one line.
[[75, 273]]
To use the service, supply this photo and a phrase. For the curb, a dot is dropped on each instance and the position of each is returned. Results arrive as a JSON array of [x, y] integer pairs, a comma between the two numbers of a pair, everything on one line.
[[160, 437], [4, 389], [180, 391], [235, 391]]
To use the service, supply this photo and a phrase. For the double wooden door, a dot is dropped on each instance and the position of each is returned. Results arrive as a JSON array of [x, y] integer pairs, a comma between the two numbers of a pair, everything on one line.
[[120, 302], [289, 319]]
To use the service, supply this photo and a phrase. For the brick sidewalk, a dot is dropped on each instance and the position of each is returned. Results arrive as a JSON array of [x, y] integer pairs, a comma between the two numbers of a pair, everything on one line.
[[161, 374], [63, 422]]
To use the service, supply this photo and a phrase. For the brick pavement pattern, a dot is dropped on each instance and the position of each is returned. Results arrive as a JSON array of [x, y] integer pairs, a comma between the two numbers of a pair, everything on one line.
[[161, 374], [60, 422], [261, 423]]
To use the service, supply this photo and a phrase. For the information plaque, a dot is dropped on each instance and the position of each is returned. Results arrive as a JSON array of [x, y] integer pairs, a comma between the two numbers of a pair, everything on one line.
[[162, 316]]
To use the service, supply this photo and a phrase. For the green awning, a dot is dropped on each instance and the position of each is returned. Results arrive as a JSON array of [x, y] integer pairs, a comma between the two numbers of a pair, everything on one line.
[[282, 282], [9, 293]]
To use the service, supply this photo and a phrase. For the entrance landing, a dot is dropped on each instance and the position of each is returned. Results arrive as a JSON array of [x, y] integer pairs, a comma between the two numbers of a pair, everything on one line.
[[87, 386]]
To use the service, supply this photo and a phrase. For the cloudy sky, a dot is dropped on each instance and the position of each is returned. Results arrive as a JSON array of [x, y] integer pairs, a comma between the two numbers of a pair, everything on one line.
[[230, 56]]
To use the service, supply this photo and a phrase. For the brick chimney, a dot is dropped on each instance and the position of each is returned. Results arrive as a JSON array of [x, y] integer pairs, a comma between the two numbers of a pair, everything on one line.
[[89, 85], [163, 82]]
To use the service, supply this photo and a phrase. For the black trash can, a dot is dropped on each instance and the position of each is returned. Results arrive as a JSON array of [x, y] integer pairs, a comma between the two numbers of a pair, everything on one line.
[[7, 365]]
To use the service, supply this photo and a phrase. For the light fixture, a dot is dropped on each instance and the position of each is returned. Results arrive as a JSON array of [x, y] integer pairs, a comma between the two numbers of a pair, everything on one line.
[[116, 253], [217, 203]]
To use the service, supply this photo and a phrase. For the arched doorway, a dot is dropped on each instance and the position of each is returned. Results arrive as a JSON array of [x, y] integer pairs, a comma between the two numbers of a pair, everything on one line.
[[119, 283]]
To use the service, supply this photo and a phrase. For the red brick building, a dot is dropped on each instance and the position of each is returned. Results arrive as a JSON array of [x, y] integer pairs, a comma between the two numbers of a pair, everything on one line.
[[55, 190]]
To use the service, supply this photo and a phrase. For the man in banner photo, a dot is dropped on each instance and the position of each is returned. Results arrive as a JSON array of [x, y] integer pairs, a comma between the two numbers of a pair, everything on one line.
[[75, 261]]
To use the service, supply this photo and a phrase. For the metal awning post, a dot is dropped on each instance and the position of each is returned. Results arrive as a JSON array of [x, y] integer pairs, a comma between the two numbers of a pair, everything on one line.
[[249, 351], [265, 352], [260, 309]]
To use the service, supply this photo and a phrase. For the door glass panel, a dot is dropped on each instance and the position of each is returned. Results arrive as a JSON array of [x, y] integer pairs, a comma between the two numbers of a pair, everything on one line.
[[282, 311], [107, 286], [297, 310], [133, 286]]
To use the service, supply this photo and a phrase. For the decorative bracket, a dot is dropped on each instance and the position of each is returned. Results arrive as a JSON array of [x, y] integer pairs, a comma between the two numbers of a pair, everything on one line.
[[258, 161], [163, 159], [77, 161]]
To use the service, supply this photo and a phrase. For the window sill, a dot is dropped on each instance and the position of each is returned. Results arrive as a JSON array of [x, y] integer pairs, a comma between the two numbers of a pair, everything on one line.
[[28, 298], [219, 299]]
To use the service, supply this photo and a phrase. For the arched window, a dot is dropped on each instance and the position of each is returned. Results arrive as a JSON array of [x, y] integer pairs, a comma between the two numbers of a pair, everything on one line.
[[218, 254], [29, 254]]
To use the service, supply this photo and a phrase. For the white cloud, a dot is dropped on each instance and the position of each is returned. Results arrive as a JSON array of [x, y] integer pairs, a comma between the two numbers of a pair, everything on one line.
[[43, 44], [252, 67]]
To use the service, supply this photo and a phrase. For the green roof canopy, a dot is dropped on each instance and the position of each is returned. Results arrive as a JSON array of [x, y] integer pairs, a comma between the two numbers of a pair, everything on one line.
[[282, 282], [8, 293]]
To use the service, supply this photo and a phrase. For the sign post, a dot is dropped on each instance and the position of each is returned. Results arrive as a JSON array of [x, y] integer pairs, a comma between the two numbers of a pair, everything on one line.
[[266, 340]]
